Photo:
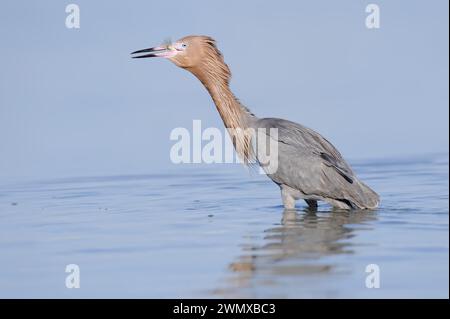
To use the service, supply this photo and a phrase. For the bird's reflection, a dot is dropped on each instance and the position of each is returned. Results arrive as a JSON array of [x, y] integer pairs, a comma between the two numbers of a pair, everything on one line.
[[296, 247]]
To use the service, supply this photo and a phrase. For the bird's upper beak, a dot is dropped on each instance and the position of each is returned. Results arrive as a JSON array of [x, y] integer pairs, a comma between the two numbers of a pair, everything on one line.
[[161, 51]]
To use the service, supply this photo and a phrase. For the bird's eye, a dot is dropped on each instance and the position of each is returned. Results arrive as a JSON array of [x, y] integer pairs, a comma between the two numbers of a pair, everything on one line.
[[181, 46]]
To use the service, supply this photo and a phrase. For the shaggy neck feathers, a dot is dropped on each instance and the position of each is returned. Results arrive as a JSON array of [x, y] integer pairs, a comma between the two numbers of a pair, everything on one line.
[[215, 75]]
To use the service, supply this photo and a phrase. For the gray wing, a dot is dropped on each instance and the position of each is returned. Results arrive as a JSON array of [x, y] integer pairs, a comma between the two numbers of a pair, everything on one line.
[[307, 141], [310, 163]]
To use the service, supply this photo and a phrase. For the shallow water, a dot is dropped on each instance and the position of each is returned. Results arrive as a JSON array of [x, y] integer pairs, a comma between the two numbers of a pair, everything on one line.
[[219, 231]]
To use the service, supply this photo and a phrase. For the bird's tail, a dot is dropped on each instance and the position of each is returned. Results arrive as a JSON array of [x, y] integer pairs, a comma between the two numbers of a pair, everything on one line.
[[363, 197]]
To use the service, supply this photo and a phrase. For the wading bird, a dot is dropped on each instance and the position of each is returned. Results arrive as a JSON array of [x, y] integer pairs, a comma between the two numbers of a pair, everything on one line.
[[309, 167]]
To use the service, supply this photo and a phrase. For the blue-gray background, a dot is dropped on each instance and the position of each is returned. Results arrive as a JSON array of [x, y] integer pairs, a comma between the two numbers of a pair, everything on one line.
[[72, 102]]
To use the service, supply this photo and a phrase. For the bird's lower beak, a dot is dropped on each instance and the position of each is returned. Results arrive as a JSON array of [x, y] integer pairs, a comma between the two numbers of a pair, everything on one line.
[[163, 52]]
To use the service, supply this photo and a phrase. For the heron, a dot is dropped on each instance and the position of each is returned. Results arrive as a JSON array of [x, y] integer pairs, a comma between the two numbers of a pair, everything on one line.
[[309, 167]]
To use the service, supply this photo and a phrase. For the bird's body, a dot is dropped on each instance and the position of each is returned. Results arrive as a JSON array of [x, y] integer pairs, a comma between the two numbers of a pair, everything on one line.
[[309, 167]]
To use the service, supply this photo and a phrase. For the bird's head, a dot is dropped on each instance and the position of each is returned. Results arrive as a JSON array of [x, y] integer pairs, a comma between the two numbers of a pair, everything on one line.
[[195, 53]]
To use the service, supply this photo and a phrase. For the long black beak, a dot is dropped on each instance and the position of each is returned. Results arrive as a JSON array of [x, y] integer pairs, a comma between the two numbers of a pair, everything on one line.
[[153, 52]]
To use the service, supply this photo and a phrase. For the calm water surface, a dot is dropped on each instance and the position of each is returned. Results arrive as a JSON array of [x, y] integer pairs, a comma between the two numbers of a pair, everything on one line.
[[221, 232]]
